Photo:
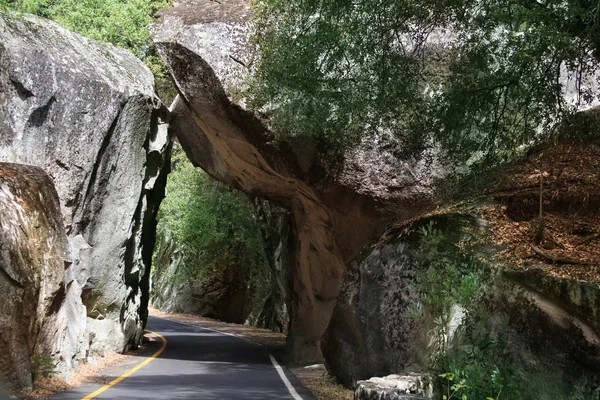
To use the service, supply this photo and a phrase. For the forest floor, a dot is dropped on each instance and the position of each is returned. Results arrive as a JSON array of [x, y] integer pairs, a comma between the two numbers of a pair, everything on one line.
[[322, 385], [567, 245]]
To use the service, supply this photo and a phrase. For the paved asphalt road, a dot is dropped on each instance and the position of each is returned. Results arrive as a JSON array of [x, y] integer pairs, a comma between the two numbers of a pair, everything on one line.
[[199, 363]]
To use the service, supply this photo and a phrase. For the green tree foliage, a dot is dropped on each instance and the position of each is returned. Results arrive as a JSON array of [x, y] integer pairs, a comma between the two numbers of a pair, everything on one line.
[[474, 364], [214, 224], [124, 23], [479, 77]]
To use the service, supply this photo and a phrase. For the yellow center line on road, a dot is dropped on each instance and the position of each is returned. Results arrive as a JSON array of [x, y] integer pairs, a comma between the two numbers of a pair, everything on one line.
[[132, 370]]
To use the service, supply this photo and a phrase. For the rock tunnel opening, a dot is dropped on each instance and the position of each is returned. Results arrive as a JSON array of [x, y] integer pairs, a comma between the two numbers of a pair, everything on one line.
[[255, 231], [220, 253]]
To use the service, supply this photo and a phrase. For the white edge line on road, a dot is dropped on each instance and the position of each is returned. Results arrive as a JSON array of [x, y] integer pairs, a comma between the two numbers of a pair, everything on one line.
[[284, 378], [278, 368], [206, 329]]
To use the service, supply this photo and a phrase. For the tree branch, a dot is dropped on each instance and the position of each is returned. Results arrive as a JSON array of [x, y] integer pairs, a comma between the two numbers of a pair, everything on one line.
[[561, 260]]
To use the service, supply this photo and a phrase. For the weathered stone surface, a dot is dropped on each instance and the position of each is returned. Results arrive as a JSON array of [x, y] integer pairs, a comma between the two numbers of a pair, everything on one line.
[[277, 235], [204, 45], [34, 252], [85, 112], [551, 328], [372, 332], [578, 298], [229, 144], [395, 387]]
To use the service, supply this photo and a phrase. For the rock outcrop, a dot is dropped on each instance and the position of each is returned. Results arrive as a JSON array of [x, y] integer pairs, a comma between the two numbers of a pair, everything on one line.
[[372, 332], [277, 235], [395, 387], [549, 324], [34, 252], [205, 46], [86, 113]]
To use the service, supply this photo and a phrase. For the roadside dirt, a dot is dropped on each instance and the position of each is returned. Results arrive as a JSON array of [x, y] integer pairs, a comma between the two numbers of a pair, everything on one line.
[[87, 372], [322, 385]]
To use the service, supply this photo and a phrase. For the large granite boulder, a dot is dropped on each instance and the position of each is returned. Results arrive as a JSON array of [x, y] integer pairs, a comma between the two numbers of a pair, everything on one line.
[[35, 319], [86, 113], [206, 47], [548, 326], [372, 332]]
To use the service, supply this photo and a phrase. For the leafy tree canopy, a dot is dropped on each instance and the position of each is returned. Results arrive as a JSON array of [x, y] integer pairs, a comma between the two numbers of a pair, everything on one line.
[[213, 223], [479, 77]]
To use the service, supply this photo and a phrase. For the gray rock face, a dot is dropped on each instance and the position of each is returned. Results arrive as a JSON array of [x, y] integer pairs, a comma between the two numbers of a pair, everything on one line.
[[86, 113], [34, 252], [551, 327], [371, 332], [395, 387]]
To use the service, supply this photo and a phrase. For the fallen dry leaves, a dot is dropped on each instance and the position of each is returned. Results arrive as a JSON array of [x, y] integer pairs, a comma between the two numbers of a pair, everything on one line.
[[571, 211], [87, 372], [322, 385]]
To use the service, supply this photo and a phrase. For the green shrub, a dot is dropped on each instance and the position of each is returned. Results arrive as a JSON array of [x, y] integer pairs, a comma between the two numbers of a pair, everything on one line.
[[214, 224], [42, 367], [475, 364]]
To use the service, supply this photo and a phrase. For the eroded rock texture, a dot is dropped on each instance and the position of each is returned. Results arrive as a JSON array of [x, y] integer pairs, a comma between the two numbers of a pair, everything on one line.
[[85, 112], [205, 46], [34, 252], [372, 332], [549, 324], [277, 235]]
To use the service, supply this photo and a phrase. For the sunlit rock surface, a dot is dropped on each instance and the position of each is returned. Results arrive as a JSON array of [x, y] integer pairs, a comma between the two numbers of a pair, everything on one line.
[[86, 113], [37, 320], [205, 47]]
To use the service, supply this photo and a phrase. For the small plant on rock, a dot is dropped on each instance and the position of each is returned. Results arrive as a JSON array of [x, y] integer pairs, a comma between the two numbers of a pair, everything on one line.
[[472, 361], [42, 367]]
